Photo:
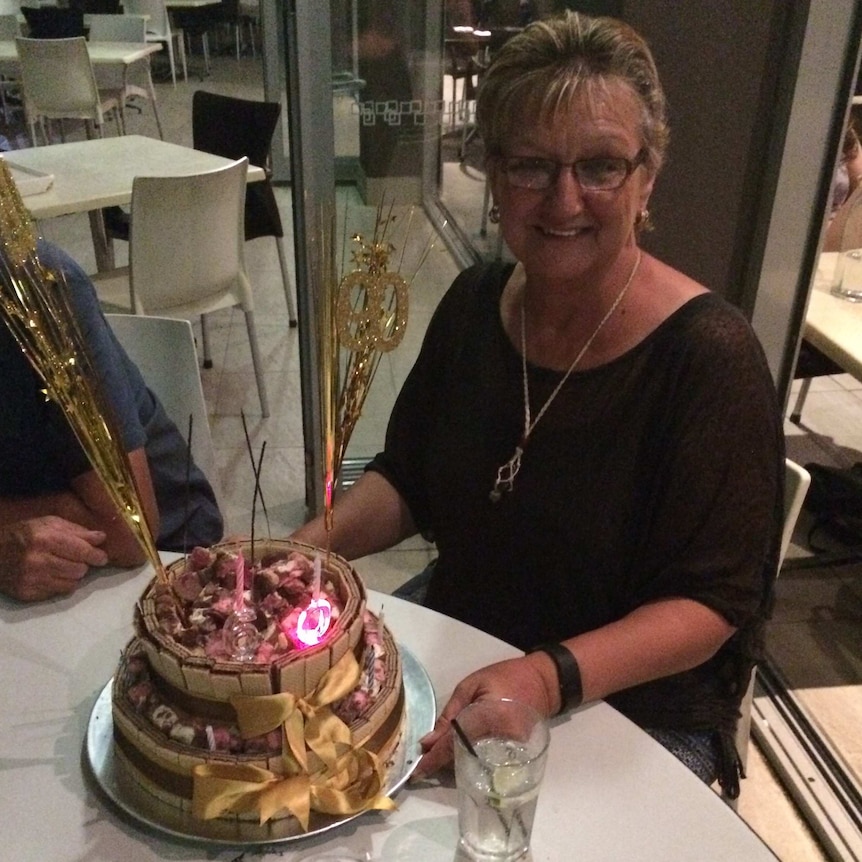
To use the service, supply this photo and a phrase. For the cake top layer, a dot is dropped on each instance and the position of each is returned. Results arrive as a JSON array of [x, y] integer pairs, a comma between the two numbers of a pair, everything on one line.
[[221, 605]]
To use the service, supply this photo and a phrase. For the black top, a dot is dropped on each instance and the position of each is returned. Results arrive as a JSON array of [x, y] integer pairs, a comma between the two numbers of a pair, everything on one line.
[[657, 474]]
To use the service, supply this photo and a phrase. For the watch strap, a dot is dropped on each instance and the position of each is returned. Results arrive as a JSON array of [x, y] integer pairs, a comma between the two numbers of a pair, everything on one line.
[[568, 674]]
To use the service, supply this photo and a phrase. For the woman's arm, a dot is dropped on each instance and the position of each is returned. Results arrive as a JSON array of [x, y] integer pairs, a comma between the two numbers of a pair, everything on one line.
[[370, 516], [655, 640]]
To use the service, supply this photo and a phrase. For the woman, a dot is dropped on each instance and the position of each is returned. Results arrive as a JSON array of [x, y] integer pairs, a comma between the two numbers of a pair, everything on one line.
[[590, 437]]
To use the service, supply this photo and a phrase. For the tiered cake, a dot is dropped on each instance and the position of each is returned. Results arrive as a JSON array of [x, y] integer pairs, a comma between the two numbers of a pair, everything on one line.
[[270, 700]]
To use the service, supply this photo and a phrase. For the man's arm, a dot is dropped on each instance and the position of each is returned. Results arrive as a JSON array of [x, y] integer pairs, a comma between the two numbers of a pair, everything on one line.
[[88, 504], [45, 557]]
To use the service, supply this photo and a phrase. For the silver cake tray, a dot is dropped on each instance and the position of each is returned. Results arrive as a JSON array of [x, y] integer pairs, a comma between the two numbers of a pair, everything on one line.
[[152, 813]]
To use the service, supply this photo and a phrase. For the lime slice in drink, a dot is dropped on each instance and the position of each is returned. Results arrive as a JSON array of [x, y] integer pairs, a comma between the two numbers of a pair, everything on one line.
[[508, 780]]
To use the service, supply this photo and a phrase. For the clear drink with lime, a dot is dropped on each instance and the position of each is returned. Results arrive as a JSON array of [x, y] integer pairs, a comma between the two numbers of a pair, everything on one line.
[[498, 778]]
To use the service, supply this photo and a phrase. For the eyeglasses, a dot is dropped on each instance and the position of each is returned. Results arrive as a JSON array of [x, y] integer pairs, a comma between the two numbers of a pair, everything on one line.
[[593, 175]]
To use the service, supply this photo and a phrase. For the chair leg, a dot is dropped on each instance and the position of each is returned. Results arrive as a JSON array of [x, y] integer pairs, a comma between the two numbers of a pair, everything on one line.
[[152, 91], [251, 38], [285, 280], [796, 415], [182, 46], [119, 117], [205, 343], [170, 47], [205, 47], [255, 361]]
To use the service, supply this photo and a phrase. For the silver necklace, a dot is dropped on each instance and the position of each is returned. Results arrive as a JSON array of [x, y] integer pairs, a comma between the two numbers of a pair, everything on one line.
[[505, 480]]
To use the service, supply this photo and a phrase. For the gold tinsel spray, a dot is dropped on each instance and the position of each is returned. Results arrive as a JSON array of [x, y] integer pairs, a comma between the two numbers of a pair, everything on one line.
[[35, 306], [364, 314]]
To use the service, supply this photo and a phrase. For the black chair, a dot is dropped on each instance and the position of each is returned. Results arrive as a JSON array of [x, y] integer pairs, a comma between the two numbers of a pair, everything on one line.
[[196, 24], [199, 23], [52, 22], [810, 363], [97, 7], [233, 128]]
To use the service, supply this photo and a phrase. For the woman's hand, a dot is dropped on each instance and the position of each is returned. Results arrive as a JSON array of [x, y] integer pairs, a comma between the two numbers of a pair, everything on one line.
[[47, 556], [531, 679]]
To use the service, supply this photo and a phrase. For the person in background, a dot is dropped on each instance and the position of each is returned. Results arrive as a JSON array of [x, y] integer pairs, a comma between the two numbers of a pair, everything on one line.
[[45, 473], [849, 170], [591, 438], [846, 187]]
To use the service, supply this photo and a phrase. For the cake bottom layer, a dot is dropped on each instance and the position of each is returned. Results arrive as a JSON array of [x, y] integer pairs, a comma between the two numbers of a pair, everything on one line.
[[165, 768], [175, 788]]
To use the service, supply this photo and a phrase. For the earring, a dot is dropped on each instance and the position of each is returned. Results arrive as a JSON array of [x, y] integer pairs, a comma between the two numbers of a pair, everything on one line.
[[494, 214], [642, 221]]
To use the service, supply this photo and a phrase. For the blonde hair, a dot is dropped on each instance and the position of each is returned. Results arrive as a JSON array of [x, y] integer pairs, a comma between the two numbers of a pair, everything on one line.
[[544, 66]]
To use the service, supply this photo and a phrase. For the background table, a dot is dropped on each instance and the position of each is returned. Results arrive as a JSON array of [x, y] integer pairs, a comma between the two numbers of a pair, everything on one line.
[[90, 175], [832, 324], [101, 54], [610, 792]]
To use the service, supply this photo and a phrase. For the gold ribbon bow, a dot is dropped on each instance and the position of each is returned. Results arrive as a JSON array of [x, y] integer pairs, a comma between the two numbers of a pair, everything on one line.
[[341, 780], [308, 722], [356, 785]]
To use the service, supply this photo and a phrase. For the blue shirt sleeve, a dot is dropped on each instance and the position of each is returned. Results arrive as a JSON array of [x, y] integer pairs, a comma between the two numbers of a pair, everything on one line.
[[118, 376], [39, 452]]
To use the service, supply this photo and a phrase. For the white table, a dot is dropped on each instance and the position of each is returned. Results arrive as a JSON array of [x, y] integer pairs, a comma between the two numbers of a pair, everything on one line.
[[101, 54], [832, 324], [90, 175], [190, 4], [610, 792]]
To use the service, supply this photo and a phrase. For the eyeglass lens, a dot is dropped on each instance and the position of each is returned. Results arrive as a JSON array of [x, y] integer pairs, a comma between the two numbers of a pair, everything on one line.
[[592, 174]]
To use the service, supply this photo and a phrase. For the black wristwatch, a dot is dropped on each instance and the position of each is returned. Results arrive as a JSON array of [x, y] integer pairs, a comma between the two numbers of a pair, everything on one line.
[[568, 674]]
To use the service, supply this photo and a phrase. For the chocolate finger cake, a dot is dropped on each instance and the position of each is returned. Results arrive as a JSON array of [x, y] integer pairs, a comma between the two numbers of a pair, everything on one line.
[[259, 687]]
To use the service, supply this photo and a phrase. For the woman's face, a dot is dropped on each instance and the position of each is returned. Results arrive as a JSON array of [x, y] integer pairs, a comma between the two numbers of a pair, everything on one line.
[[565, 232]]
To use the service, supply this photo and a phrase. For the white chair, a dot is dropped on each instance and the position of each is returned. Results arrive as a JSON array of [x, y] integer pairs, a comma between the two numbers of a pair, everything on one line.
[[796, 482], [186, 253], [58, 84], [133, 80], [10, 28], [159, 30], [164, 351]]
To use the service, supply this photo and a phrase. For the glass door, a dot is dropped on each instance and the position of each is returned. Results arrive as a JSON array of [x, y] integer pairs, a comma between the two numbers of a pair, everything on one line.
[[362, 81]]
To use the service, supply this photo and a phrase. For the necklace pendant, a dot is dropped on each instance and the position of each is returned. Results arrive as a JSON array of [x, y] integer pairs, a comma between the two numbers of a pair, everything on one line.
[[506, 476]]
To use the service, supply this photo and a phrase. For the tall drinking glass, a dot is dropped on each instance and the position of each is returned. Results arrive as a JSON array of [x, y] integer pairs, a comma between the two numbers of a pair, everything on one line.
[[500, 751], [848, 271], [848, 275]]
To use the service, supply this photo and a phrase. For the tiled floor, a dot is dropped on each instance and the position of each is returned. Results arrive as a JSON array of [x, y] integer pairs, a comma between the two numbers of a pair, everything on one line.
[[816, 609]]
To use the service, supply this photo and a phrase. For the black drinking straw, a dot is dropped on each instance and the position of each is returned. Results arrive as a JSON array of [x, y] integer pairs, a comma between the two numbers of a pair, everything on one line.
[[463, 737]]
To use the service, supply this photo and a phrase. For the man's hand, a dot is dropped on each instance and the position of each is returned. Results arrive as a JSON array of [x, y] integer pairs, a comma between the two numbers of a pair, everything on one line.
[[46, 556]]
